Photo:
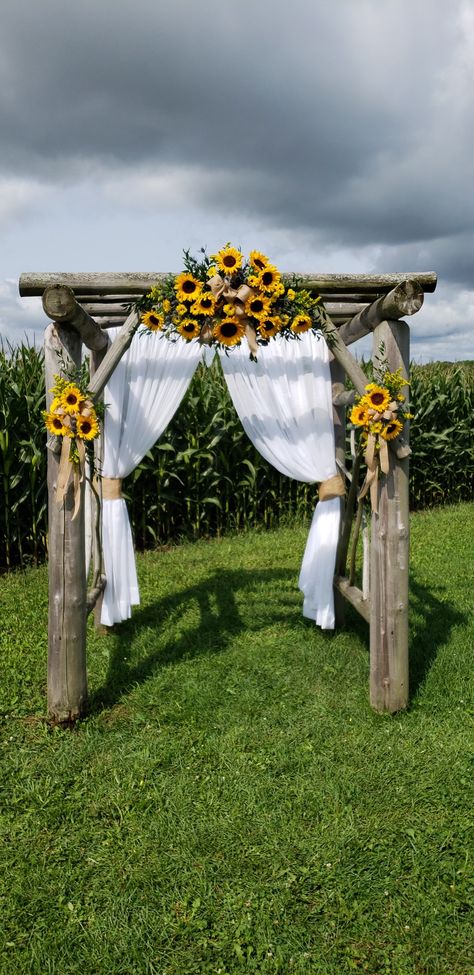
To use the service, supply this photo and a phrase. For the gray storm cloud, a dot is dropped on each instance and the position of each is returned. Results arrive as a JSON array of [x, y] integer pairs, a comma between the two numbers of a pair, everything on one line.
[[348, 120]]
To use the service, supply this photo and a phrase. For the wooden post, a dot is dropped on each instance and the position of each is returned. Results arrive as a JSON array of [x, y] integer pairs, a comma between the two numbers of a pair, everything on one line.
[[390, 556], [67, 677], [339, 417]]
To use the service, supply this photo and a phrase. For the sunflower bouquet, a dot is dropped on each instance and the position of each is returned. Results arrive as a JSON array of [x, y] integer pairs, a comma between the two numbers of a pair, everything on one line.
[[380, 413], [71, 414], [222, 298]]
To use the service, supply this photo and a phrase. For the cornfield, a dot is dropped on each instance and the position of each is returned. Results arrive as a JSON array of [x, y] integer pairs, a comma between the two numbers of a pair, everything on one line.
[[204, 477]]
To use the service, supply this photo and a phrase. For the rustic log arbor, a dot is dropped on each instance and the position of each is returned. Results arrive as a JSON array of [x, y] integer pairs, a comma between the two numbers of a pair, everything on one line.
[[81, 307]]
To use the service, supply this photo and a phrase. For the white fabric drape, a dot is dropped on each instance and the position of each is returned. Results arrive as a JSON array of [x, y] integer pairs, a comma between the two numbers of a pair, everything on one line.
[[284, 401], [141, 398]]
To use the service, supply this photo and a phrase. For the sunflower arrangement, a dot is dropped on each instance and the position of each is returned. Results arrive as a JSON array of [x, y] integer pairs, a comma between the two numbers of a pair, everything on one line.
[[380, 412], [222, 298], [72, 414]]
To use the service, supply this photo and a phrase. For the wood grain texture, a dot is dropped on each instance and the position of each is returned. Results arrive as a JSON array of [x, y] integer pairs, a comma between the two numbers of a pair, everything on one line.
[[139, 282], [67, 676], [390, 557], [60, 305]]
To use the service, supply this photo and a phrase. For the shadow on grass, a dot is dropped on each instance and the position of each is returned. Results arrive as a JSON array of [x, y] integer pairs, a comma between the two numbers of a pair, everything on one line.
[[219, 622], [432, 618]]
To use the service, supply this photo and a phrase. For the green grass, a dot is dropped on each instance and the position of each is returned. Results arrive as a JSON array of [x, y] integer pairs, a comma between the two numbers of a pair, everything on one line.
[[231, 804]]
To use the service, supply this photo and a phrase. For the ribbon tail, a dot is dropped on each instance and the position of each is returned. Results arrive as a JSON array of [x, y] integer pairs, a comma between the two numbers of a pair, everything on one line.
[[251, 338], [374, 493], [79, 474], [64, 471], [384, 458]]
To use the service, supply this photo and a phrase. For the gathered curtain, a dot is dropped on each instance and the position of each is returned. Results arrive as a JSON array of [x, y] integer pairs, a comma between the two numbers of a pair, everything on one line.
[[141, 398], [284, 402]]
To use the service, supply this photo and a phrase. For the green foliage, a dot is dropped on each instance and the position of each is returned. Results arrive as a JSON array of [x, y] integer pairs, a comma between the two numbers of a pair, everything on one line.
[[23, 497], [231, 805], [204, 477], [442, 433]]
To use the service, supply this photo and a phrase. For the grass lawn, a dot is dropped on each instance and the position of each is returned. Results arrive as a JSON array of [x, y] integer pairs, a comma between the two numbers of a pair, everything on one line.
[[231, 804]]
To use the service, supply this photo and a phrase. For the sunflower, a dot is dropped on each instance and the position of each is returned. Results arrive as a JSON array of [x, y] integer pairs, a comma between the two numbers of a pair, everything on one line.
[[257, 306], [268, 278], [392, 430], [181, 310], [258, 260], [71, 398], [229, 260], [359, 416], [269, 326], [204, 305], [377, 397], [291, 294], [301, 323], [229, 331], [187, 287], [189, 329], [166, 305], [87, 427], [153, 320], [55, 424]]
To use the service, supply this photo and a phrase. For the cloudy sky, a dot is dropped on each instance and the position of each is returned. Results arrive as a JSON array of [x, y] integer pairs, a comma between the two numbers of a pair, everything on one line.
[[334, 135]]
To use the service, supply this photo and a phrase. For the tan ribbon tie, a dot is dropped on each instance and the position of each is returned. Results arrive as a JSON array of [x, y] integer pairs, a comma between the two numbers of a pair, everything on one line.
[[111, 488], [332, 487], [238, 296]]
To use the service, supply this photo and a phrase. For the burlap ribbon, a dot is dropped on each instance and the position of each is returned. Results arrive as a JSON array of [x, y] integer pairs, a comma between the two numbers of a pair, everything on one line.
[[222, 290], [376, 460], [112, 488], [333, 487], [68, 469]]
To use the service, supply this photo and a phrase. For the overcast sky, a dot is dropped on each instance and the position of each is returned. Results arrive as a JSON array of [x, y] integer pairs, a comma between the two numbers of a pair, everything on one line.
[[334, 135]]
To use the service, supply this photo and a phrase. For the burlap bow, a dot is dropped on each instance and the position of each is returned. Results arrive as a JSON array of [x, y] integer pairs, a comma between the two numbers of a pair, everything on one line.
[[68, 468], [222, 291], [376, 455]]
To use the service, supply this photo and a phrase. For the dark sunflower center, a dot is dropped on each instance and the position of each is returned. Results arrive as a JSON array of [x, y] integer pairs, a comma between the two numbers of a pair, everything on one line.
[[206, 302], [189, 287], [256, 305], [71, 399], [86, 427], [259, 263], [154, 320], [267, 326], [229, 260], [57, 423], [228, 329], [377, 398], [189, 327], [267, 277], [391, 427]]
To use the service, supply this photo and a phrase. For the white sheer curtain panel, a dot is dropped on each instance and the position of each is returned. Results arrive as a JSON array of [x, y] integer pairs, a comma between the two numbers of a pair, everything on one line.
[[141, 398], [284, 402]]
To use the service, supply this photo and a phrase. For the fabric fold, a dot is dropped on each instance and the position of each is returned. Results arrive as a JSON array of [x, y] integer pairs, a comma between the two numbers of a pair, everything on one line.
[[284, 402], [141, 398]]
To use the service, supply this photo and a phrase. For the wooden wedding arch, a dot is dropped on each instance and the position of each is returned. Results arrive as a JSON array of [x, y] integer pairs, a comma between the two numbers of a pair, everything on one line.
[[80, 308]]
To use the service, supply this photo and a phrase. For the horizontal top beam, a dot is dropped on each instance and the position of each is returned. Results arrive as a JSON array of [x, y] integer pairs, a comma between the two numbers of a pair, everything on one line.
[[139, 282]]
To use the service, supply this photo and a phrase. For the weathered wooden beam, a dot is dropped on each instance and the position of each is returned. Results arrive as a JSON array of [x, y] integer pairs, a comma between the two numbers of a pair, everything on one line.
[[346, 524], [67, 677], [390, 556], [405, 299], [108, 309], [345, 398], [139, 282], [354, 596], [60, 305], [114, 354], [339, 419], [95, 594]]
